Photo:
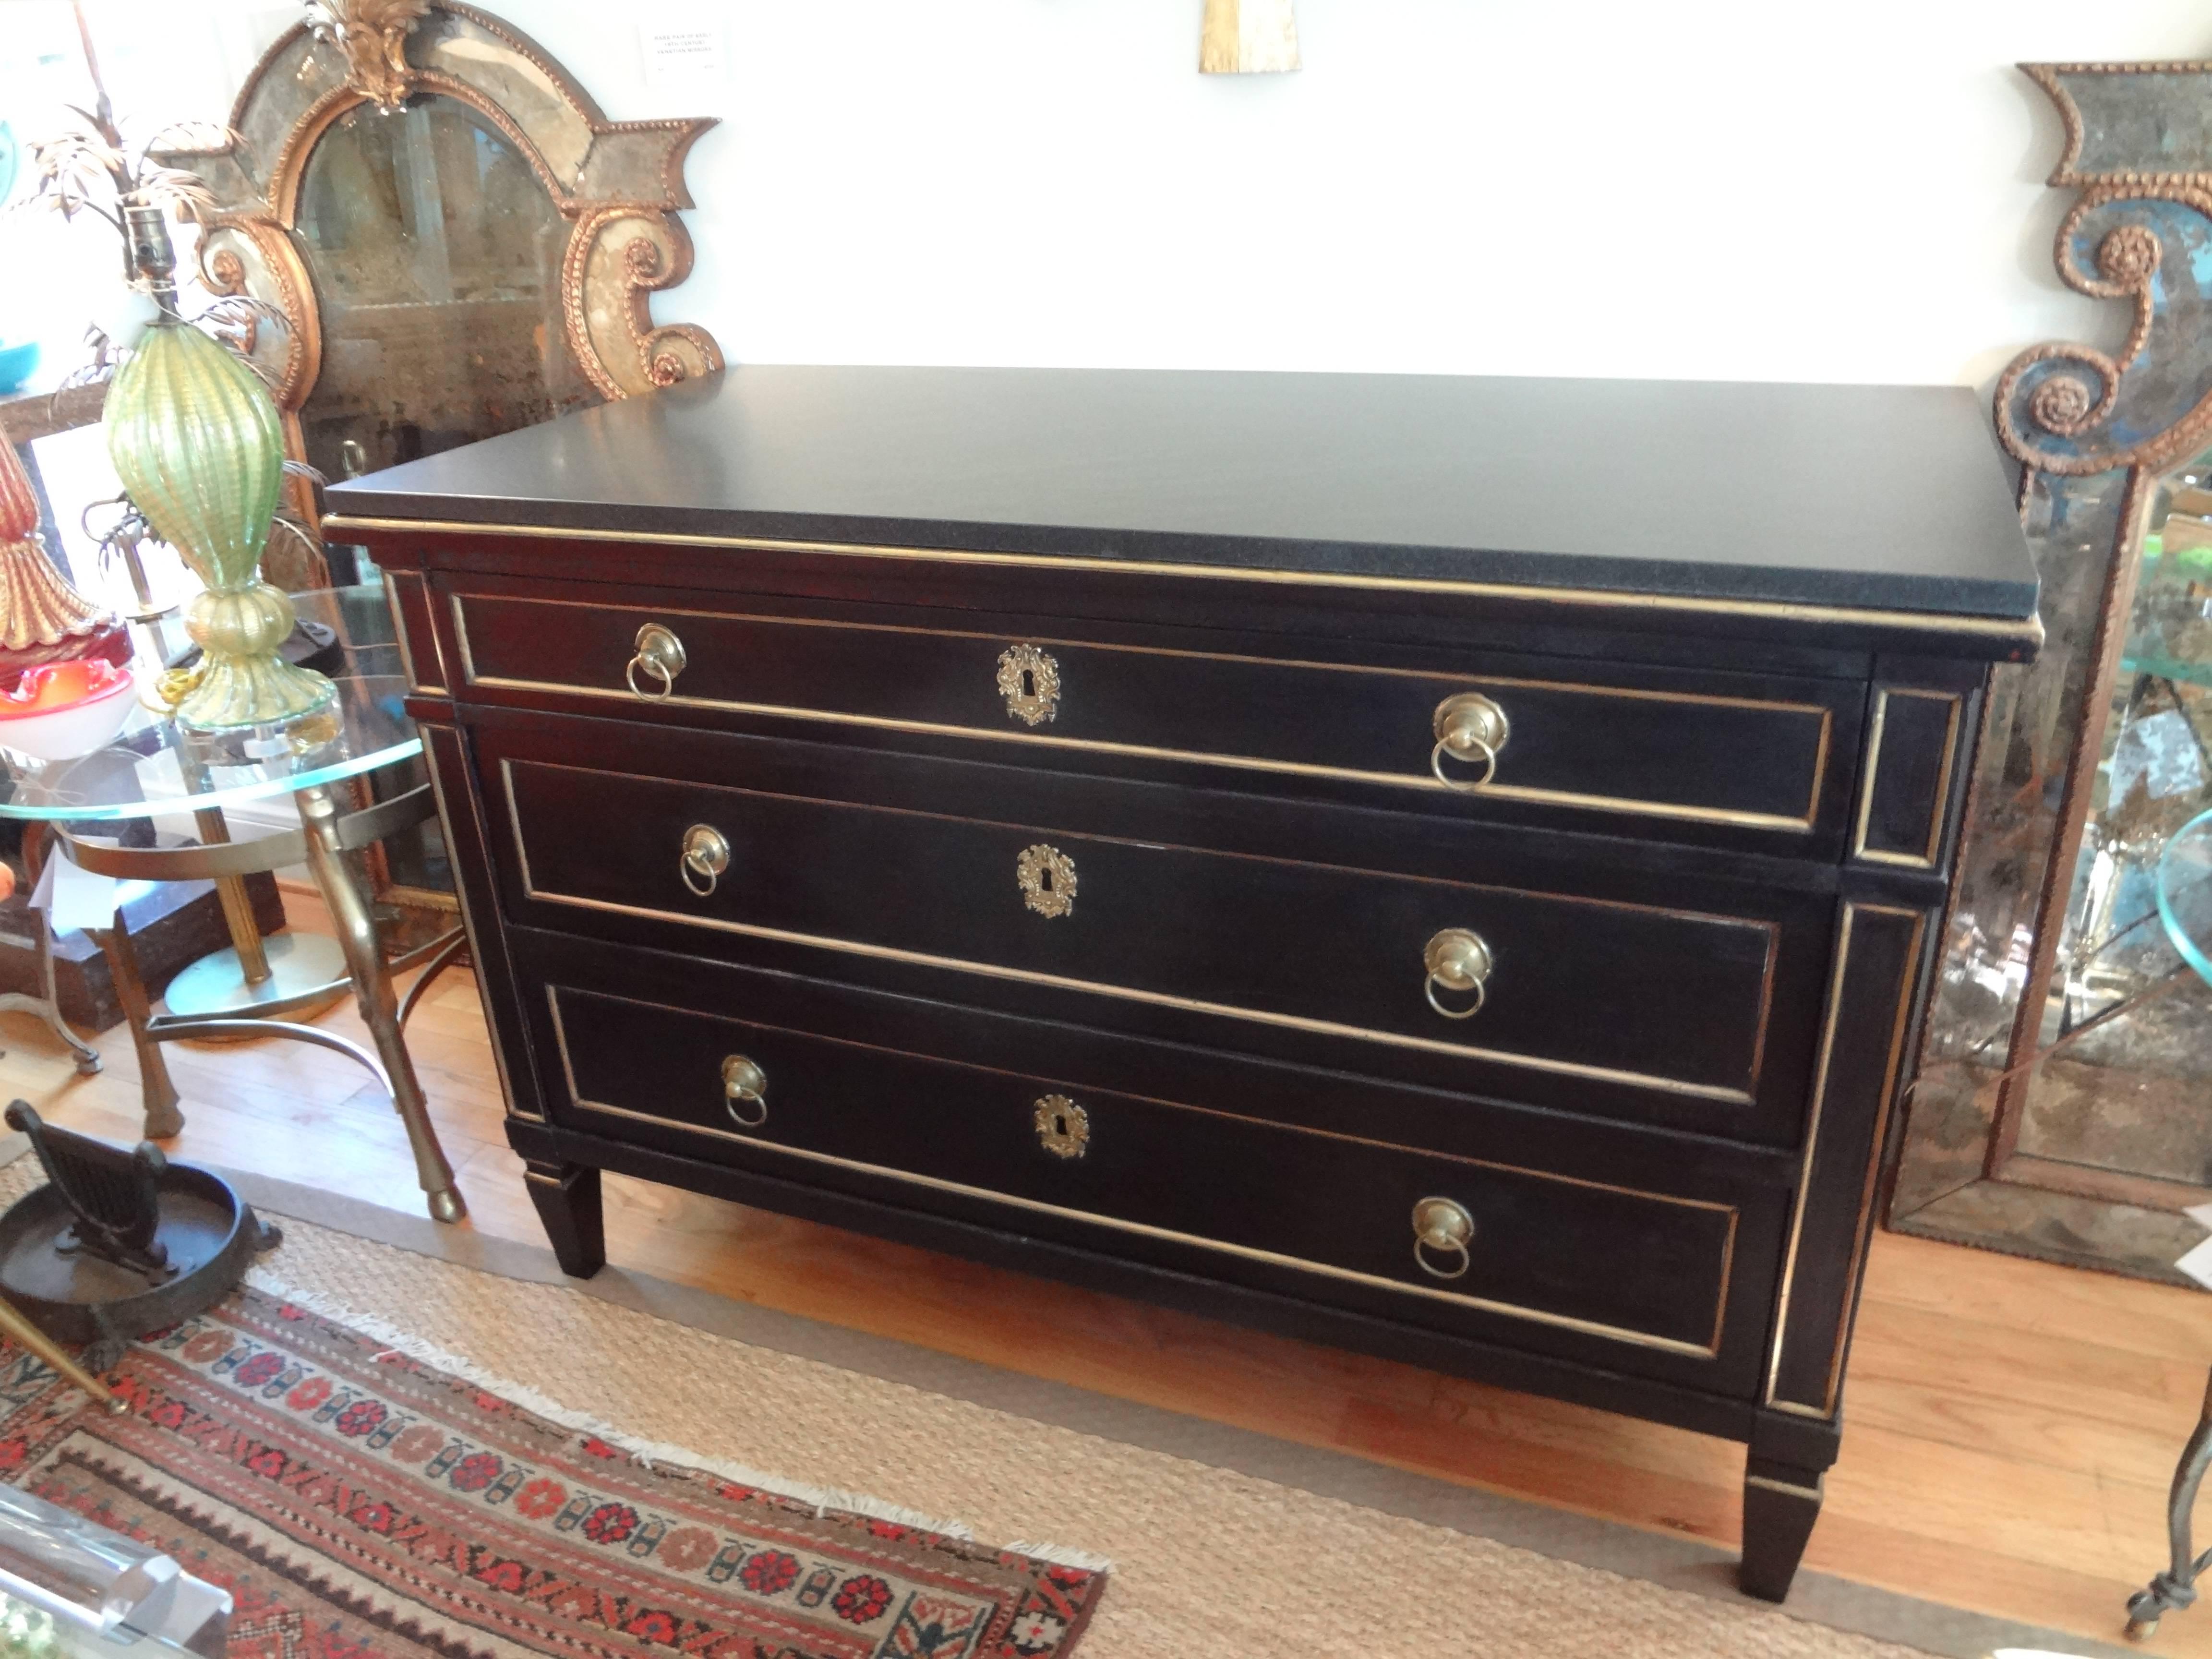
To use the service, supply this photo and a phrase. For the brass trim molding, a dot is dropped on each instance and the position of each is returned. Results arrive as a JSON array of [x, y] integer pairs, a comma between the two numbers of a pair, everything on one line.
[[1422, 780], [1510, 1310], [416, 682], [1790, 1488], [1829, 1019], [1730, 1097], [1941, 813], [2025, 630]]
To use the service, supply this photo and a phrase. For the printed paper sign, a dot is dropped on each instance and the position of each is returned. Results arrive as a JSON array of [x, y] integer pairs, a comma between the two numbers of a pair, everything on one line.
[[682, 47]]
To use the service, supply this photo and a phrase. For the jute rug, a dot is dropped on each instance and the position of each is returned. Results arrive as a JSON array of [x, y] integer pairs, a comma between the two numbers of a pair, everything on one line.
[[1205, 1559]]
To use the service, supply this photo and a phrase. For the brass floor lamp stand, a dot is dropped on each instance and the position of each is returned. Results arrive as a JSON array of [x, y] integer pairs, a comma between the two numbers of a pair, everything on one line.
[[326, 834]]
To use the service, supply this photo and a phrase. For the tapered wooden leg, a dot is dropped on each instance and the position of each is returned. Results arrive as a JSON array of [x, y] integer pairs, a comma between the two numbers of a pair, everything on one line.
[[1781, 1502], [567, 1200]]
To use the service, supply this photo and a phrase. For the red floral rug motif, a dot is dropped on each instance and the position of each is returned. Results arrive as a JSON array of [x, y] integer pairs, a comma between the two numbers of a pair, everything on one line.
[[359, 1504]]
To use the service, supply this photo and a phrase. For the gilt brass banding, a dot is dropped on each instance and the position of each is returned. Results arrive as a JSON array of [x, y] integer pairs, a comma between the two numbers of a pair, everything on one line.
[[1826, 1407], [1788, 822], [1707, 1350], [1442, 1229], [706, 855], [1468, 726], [1460, 960], [660, 658], [1720, 1092], [1939, 809], [745, 1086], [2026, 631]]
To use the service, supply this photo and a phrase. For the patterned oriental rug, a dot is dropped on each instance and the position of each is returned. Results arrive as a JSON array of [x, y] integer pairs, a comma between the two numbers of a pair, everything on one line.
[[359, 1504]]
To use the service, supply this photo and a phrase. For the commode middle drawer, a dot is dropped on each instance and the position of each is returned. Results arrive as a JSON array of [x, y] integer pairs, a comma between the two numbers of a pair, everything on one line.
[[1665, 999], [1659, 1264], [1660, 751]]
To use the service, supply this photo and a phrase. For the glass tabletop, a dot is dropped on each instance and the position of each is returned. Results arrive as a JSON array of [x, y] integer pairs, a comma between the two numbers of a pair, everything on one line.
[[2184, 892], [153, 765]]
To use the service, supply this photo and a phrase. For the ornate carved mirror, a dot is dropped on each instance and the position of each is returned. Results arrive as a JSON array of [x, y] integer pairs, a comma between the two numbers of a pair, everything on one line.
[[2060, 1108], [462, 243]]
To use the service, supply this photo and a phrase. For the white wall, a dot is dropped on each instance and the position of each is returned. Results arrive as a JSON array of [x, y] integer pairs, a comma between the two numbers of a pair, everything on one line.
[[1769, 189]]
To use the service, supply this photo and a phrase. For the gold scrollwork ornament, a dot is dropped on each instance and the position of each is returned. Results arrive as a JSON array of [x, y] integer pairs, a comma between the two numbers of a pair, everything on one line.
[[1063, 1129], [1047, 878], [1029, 680]]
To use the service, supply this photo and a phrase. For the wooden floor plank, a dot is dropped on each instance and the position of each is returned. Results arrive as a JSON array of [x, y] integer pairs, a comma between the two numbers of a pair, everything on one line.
[[2011, 1424]]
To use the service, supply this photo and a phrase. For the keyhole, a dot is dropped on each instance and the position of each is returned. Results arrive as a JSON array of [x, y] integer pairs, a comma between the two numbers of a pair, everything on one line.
[[1045, 879], [1029, 682]]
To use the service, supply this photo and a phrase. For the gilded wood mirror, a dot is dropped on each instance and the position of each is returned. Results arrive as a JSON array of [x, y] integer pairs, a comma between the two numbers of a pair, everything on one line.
[[2061, 1104], [460, 242]]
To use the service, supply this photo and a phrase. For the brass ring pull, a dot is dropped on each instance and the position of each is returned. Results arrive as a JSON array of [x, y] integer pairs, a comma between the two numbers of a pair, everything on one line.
[[1444, 746], [1445, 1228], [1457, 960], [743, 1082], [1468, 726], [706, 855], [660, 654]]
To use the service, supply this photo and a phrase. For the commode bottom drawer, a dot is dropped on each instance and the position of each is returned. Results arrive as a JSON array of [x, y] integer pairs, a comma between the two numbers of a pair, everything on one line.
[[1667, 1273]]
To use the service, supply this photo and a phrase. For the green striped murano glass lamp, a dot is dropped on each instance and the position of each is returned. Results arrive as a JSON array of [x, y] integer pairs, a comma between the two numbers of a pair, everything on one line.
[[195, 439]]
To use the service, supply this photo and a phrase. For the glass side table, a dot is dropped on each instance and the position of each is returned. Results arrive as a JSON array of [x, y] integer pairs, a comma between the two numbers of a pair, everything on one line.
[[2185, 906], [154, 767]]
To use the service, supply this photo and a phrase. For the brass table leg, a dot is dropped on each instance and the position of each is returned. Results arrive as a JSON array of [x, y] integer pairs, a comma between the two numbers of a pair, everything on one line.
[[237, 905], [372, 986], [45, 1005], [2176, 1588], [163, 1120]]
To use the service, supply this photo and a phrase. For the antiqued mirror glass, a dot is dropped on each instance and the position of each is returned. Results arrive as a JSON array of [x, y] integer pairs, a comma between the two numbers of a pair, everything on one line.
[[2126, 1092], [436, 253]]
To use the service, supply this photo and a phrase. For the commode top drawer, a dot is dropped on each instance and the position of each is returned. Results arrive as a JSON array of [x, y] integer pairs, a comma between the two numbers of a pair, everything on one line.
[[1657, 752], [1690, 1008]]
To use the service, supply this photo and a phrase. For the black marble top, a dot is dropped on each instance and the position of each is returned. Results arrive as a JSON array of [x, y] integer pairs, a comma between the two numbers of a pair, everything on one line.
[[1881, 497]]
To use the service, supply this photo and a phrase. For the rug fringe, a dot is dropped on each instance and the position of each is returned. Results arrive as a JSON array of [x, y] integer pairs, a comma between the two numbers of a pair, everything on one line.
[[824, 1500], [1064, 1555]]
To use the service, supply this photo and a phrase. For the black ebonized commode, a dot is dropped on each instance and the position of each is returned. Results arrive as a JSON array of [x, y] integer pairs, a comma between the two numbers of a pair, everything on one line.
[[1445, 868]]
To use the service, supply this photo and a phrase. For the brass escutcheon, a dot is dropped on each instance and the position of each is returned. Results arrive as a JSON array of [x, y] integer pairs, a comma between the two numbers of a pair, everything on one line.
[[1443, 1225], [744, 1082], [1458, 960], [660, 654], [706, 855], [1469, 727], [1047, 878], [1030, 682], [1063, 1127]]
